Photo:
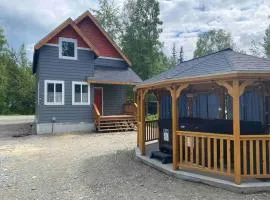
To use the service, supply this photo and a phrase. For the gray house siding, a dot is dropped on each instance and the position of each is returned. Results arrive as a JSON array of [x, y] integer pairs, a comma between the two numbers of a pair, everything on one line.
[[114, 96], [104, 62], [50, 67]]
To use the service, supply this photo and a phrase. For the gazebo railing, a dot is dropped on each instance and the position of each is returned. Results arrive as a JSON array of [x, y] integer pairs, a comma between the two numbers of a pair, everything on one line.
[[215, 153], [206, 152], [255, 156], [151, 130]]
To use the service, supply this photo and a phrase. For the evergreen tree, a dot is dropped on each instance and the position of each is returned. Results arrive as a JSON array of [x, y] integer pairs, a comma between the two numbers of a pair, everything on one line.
[[108, 15], [212, 41], [17, 83], [3, 77], [181, 55], [174, 54], [140, 40]]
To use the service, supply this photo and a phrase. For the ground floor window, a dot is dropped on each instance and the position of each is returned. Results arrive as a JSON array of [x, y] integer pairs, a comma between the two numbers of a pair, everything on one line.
[[54, 92], [80, 93]]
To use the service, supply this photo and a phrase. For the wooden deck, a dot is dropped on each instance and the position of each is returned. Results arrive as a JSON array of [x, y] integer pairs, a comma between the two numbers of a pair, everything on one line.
[[111, 123]]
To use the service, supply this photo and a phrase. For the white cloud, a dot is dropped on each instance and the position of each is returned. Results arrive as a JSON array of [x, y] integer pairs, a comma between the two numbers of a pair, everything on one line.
[[245, 19], [29, 20]]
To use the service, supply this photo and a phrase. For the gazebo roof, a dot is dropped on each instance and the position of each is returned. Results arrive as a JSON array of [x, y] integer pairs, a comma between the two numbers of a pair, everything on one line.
[[223, 62]]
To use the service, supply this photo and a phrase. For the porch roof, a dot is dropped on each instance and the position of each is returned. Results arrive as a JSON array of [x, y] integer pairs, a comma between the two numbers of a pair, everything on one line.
[[219, 64], [112, 75]]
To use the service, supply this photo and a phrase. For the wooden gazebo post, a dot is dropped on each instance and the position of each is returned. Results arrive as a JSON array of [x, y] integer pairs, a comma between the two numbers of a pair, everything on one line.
[[138, 96], [236, 90], [236, 131], [143, 92], [175, 94]]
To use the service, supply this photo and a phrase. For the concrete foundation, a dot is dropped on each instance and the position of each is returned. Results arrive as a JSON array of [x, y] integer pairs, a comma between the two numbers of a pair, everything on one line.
[[251, 186], [43, 128]]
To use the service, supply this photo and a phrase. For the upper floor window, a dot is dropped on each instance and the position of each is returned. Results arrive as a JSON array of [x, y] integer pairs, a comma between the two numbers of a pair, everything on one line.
[[67, 48], [54, 92], [80, 93]]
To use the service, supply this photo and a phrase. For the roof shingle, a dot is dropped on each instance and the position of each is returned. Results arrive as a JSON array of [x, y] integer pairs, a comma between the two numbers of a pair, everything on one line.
[[224, 61]]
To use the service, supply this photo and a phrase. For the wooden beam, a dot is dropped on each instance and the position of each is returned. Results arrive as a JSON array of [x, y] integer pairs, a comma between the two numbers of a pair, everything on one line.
[[142, 118], [180, 89], [175, 93], [138, 117], [244, 85], [174, 125], [227, 86], [207, 78], [236, 131]]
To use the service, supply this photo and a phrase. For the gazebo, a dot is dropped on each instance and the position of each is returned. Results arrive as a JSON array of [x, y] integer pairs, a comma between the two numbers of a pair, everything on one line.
[[213, 115]]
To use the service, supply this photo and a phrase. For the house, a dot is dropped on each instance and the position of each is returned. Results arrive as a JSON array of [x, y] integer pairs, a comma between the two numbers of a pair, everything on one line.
[[213, 118], [78, 65]]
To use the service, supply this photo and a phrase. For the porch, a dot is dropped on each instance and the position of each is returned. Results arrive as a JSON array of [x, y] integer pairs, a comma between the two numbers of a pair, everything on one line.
[[121, 122], [216, 124]]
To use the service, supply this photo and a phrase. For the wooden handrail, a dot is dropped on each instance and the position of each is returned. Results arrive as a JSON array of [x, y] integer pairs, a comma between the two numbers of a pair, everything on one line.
[[205, 134], [255, 137], [97, 113]]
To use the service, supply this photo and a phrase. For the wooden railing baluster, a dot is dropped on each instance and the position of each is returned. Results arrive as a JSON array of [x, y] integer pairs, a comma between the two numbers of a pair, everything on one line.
[[213, 153], [197, 150], [258, 157], [203, 153], [228, 157], [221, 156]]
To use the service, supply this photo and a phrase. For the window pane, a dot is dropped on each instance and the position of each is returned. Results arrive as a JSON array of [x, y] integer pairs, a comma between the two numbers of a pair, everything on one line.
[[84, 93], [50, 92], [58, 97], [77, 93], [59, 87], [68, 49], [58, 94]]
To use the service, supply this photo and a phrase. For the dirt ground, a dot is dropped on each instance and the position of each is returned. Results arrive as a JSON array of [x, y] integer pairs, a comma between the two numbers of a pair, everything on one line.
[[90, 166]]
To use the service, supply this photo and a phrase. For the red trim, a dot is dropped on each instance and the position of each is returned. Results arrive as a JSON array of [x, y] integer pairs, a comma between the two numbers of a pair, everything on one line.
[[95, 36], [68, 32]]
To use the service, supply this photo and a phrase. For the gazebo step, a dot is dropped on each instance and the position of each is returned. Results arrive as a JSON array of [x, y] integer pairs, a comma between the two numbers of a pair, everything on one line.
[[163, 157]]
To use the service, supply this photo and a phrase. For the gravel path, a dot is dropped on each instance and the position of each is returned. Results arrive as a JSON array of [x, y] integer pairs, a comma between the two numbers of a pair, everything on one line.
[[90, 166]]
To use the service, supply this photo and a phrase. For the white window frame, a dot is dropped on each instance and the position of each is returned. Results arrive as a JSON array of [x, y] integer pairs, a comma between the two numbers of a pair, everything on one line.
[[45, 93], [73, 93], [61, 39]]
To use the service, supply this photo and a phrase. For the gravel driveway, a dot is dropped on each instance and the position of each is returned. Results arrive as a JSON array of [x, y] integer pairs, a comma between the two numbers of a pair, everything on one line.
[[90, 166]]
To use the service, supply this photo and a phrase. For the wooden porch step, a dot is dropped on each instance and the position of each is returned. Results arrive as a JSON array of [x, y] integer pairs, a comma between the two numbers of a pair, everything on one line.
[[108, 130], [113, 119], [114, 123], [121, 125]]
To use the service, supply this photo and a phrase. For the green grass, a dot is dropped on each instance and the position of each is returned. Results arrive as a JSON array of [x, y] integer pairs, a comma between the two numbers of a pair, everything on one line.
[[151, 118]]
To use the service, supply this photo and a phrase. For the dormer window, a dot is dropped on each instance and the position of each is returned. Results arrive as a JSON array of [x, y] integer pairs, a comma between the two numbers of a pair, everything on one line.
[[67, 48]]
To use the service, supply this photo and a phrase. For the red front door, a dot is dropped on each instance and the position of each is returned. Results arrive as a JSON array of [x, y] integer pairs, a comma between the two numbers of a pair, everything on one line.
[[98, 94]]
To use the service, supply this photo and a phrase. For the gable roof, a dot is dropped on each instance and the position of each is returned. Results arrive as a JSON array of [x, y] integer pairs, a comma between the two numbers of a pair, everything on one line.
[[222, 62], [61, 27], [105, 34]]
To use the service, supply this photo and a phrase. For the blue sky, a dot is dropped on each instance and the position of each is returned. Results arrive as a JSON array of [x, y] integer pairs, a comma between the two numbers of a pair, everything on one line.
[[28, 21]]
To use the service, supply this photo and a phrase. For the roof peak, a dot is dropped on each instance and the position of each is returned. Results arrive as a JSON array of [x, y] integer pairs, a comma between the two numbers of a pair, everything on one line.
[[226, 49]]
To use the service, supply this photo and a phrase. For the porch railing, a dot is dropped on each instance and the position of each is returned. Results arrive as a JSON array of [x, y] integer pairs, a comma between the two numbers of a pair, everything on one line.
[[255, 156], [151, 130], [130, 108], [206, 152]]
